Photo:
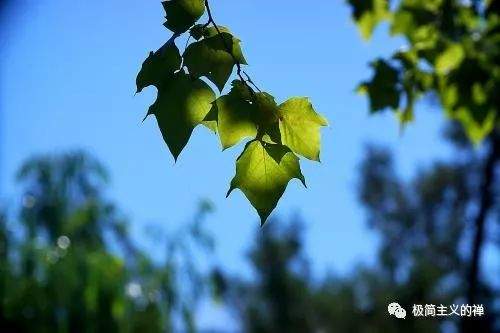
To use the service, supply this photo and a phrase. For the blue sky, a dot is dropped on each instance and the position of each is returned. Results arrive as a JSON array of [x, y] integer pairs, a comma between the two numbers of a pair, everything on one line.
[[67, 80]]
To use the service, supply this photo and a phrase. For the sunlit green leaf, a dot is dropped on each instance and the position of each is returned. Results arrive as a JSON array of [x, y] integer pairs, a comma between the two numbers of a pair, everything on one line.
[[449, 59], [475, 131], [262, 173], [300, 127], [235, 118]]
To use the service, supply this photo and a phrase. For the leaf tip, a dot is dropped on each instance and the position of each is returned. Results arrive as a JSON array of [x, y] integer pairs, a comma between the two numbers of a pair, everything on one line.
[[303, 181], [231, 188], [144, 119], [318, 158], [263, 218]]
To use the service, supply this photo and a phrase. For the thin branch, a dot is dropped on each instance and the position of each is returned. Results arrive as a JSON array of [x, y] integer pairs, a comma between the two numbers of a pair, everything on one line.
[[182, 58], [486, 203], [251, 82], [239, 71], [487, 197]]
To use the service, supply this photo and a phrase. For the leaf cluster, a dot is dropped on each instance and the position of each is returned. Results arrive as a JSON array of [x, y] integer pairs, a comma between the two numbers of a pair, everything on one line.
[[453, 51], [277, 132]]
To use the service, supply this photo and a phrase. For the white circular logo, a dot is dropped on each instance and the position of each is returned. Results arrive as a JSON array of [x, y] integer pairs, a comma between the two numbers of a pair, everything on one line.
[[396, 310]]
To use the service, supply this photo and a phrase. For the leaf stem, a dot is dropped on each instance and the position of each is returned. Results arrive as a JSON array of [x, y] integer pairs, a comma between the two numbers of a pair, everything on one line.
[[239, 71], [251, 82]]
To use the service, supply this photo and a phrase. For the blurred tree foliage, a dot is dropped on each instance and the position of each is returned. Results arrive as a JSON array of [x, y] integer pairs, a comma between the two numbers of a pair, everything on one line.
[[452, 50], [422, 225], [69, 265]]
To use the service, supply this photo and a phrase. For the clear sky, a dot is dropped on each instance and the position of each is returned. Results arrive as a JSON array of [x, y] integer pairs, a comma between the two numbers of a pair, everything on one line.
[[67, 80]]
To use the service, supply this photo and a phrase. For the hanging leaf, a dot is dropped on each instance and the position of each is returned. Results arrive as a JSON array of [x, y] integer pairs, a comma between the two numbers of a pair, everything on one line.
[[209, 57], [182, 14], [235, 118], [383, 90], [369, 13], [300, 127], [158, 66], [262, 173], [181, 105], [184, 101]]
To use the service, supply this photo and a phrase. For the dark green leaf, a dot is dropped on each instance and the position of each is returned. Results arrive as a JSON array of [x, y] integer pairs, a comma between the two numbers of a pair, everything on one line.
[[181, 105], [209, 57], [368, 13], [197, 31], [383, 90], [158, 66], [267, 109], [202, 30], [182, 14]]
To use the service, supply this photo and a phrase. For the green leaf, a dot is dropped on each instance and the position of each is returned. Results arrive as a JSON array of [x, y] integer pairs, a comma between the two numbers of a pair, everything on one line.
[[382, 90], [468, 87], [181, 105], [271, 133], [197, 31], [262, 173], [368, 14], [449, 59], [242, 89], [267, 109], [158, 66], [235, 118], [405, 116], [300, 127], [212, 31], [182, 14], [475, 131], [414, 18], [209, 57], [202, 30]]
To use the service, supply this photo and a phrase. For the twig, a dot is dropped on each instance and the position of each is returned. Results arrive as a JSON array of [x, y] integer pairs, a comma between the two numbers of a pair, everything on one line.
[[239, 71], [251, 82], [486, 203], [185, 47]]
